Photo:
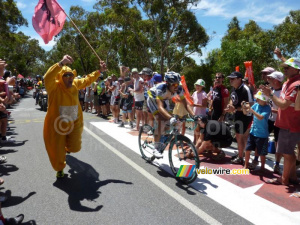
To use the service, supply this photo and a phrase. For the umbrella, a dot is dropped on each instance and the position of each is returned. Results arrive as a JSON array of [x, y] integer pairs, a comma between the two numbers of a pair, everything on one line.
[[20, 76]]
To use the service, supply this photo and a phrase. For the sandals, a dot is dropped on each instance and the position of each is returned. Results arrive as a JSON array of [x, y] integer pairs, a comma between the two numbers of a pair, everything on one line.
[[274, 181]]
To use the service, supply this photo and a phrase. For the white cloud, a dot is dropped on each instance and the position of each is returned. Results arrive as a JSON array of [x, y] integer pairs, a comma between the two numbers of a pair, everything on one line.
[[89, 1], [257, 10], [21, 5]]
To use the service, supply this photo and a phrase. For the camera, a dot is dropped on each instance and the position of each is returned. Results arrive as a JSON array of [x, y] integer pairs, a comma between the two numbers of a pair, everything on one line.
[[297, 87]]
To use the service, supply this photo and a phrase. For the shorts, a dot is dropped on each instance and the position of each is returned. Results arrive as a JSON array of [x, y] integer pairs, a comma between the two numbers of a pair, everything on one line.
[[256, 142], [272, 127], [114, 100], [287, 141], [102, 100], [139, 105], [81, 99], [242, 125], [3, 115], [96, 100]]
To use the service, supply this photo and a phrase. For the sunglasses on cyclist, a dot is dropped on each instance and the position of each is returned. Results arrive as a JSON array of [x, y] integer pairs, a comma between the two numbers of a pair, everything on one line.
[[175, 85]]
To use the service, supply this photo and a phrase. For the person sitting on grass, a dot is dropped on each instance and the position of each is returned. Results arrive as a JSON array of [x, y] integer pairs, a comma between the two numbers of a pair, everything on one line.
[[259, 133]]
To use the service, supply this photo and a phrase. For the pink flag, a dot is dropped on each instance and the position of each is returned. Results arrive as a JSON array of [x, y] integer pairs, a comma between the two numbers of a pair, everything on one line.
[[48, 19]]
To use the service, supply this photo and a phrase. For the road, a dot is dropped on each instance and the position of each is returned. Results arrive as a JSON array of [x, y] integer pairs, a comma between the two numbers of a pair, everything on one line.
[[107, 183]]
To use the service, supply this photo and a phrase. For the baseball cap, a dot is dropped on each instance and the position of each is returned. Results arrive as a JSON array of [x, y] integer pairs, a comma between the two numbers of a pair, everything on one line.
[[109, 78], [293, 62], [120, 79], [268, 70], [236, 75], [277, 75], [261, 96], [157, 78], [200, 82], [134, 70]]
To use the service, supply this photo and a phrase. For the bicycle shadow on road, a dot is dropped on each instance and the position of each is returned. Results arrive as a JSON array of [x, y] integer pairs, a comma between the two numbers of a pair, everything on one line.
[[82, 183]]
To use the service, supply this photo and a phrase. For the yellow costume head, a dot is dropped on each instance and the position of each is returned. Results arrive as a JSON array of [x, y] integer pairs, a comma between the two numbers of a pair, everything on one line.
[[65, 76]]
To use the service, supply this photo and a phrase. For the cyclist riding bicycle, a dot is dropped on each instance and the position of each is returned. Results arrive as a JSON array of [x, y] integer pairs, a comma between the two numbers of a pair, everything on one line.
[[158, 103]]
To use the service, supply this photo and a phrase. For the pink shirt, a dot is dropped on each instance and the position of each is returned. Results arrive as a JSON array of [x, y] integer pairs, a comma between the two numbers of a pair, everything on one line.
[[288, 118], [198, 99]]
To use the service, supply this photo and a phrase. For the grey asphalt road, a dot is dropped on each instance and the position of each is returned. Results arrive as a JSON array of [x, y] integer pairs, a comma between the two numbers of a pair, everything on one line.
[[101, 188]]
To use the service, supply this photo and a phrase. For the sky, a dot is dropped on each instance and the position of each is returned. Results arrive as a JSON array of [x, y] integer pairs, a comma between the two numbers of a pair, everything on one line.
[[213, 15]]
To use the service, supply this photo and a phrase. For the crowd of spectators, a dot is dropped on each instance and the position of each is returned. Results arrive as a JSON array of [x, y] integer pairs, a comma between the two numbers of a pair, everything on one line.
[[257, 111], [11, 90]]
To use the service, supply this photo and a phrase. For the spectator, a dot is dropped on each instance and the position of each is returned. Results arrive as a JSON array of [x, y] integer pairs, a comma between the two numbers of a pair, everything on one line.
[[200, 104], [214, 135], [265, 72], [258, 138], [127, 103], [275, 82], [288, 120], [100, 87], [139, 97], [240, 93], [148, 83], [115, 98], [88, 99], [220, 98], [64, 120], [96, 97]]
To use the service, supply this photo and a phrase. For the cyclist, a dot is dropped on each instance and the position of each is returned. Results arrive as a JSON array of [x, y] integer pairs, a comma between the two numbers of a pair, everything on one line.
[[158, 104]]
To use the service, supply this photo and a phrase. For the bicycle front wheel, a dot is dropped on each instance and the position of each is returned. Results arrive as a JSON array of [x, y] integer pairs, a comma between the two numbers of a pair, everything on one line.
[[179, 147], [146, 142]]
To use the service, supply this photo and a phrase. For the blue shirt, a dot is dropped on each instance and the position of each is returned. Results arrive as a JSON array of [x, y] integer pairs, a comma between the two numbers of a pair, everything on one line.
[[259, 128]]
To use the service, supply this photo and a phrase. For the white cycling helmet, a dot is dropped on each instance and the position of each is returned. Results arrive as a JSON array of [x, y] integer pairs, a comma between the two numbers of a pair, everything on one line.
[[172, 77]]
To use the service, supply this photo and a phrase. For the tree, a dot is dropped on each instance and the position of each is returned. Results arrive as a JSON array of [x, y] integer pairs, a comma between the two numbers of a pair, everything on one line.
[[168, 33], [287, 34]]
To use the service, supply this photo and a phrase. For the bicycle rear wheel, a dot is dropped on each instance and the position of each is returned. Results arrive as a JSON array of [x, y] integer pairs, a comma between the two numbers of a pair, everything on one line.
[[146, 142], [177, 156]]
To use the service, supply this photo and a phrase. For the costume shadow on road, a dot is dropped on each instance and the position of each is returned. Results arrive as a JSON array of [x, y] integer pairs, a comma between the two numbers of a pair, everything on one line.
[[82, 183]]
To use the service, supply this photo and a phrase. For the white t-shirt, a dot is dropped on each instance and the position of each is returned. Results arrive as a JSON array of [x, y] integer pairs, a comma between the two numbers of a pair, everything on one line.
[[117, 85], [87, 90], [138, 96]]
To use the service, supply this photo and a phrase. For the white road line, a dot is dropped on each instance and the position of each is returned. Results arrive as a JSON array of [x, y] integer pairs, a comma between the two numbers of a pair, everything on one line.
[[203, 215]]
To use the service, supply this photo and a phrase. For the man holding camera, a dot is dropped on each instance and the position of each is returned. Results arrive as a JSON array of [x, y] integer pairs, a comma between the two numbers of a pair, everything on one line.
[[288, 120]]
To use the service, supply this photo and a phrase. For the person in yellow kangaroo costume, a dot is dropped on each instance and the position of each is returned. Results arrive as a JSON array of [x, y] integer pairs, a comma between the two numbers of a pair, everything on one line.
[[63, 124]]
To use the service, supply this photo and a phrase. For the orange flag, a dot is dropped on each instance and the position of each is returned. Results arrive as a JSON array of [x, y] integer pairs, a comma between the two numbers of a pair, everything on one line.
[[249, 72]]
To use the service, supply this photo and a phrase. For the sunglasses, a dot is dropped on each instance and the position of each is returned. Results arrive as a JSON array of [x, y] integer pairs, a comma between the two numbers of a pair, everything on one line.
[[232, 78], [286, 67], [218, 78], [68, 75], [175, 85]]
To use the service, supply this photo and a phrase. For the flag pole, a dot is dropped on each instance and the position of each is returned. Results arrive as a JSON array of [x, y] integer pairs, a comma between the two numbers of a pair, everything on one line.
[[81, 33]]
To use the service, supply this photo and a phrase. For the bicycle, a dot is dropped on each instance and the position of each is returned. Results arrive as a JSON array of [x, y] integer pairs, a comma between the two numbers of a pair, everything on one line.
[[182, 145]]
